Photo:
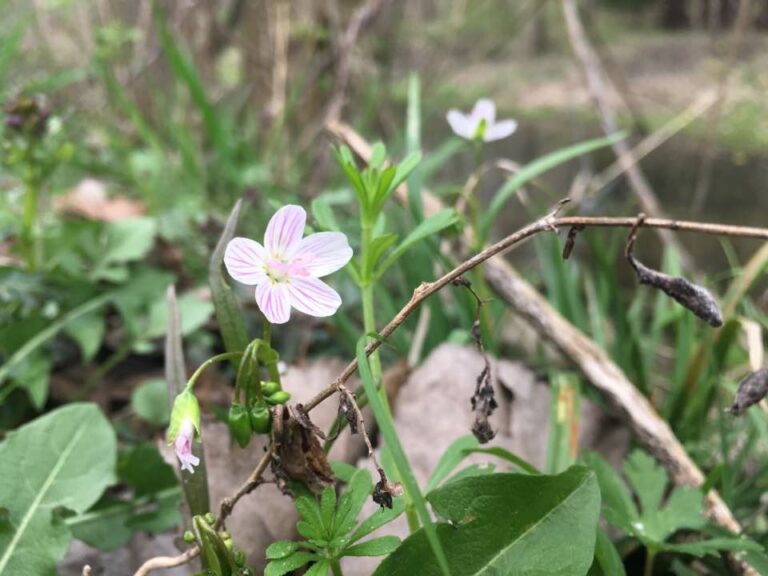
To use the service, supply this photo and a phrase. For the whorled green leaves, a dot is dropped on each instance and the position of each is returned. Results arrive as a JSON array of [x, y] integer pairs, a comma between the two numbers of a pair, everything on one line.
[[508, 524], [61, 461]]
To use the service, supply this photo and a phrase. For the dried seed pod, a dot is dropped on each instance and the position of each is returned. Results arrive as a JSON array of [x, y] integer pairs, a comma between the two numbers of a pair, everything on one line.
[[692, 296], [384, 490], [751, 390], [348, 411]]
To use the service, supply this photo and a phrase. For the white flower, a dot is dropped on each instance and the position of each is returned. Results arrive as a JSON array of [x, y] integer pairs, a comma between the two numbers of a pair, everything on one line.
[[481, 123], [287, 268]]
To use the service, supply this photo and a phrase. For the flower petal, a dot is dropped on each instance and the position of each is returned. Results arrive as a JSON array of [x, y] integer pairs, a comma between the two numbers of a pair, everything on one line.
[[244, 259], [313, 296], [274, 301], [500, 130], [461, 124], [322, 253], [484, 109], [285, 230]]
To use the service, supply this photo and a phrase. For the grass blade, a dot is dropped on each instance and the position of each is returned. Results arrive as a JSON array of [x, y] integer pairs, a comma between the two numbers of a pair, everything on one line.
[[389, 434]]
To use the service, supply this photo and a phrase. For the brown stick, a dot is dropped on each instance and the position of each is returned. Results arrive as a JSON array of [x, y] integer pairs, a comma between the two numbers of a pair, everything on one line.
[[599, 92], [160, 562]]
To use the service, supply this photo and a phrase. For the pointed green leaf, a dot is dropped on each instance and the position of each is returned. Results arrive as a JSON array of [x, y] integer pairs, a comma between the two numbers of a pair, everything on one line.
[[536, 168], [228, 313], [375, 547], [319, 568], [328, 509], [451, 458], [281, 549], [618, 508], [357, 492], [378, 519], [648, 480], [432, 225], [289, 563]]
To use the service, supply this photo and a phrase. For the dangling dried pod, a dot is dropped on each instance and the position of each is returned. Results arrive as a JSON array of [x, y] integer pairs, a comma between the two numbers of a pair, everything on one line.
[[694, 297], [751, 390]]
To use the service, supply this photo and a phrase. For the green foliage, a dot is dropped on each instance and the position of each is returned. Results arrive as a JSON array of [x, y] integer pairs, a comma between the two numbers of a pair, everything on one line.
[[657, 519], [331, 530], [150, 402], [497, 527], [61, 461]]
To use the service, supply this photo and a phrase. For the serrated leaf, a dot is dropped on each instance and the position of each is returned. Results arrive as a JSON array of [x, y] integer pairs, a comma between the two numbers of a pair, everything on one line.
[[508, 524], [284, 565], [713, 546], [648, 480], [618, 508], [432, 225], [684, 509], [64, 459], [281, 549], [375, 547]]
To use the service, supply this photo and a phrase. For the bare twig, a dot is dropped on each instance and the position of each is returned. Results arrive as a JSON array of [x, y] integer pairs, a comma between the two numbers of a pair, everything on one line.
[[598, 90], [161, 562]]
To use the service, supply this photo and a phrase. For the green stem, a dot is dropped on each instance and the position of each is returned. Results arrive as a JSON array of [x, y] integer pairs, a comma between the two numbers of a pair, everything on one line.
[[336, 568], [649, 558], [29, 228], [413, 518], [369, 311], [208, 363]]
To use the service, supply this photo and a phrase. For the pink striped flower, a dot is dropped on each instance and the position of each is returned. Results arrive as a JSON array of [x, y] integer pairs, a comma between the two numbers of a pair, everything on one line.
[[183, 446], [287, 268], [481, 123]]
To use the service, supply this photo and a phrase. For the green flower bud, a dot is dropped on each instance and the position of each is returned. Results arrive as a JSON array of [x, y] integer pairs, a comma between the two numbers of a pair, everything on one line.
[[189, 537], [269, 388], [239, 424], [261, 419], [185, 408], [279, 397], [210, 518]]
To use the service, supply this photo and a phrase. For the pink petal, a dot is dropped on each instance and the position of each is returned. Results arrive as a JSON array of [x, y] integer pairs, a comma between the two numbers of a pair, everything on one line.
[[499, 130], [244, 260], [484, 109], [313, 296], [461, 124], [274, 301], [285, 230], [322, 253]]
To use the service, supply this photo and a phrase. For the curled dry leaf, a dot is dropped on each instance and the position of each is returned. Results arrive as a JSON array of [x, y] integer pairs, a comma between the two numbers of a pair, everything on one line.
[[692, 296], [298, 454], [751, 390], [89, 200]]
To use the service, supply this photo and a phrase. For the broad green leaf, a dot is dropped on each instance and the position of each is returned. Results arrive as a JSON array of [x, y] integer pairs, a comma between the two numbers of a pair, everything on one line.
[[150, 402], [228, 313], [88, 332], [33, 374], [124, 241], [145, 471], [451, 458], [64, 459], [536, 168], [194, 310], [392, 444], [471, 470], [44, 336], [282, 566], [618, 508], [508, 524], [375, 547], [281, 549], [432, 225]]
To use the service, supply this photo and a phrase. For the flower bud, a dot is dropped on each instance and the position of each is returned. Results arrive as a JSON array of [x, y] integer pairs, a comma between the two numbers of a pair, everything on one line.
[[279, 397], [261, 419], [269, 388], [239, 424], [189, 537], [184, 428]]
